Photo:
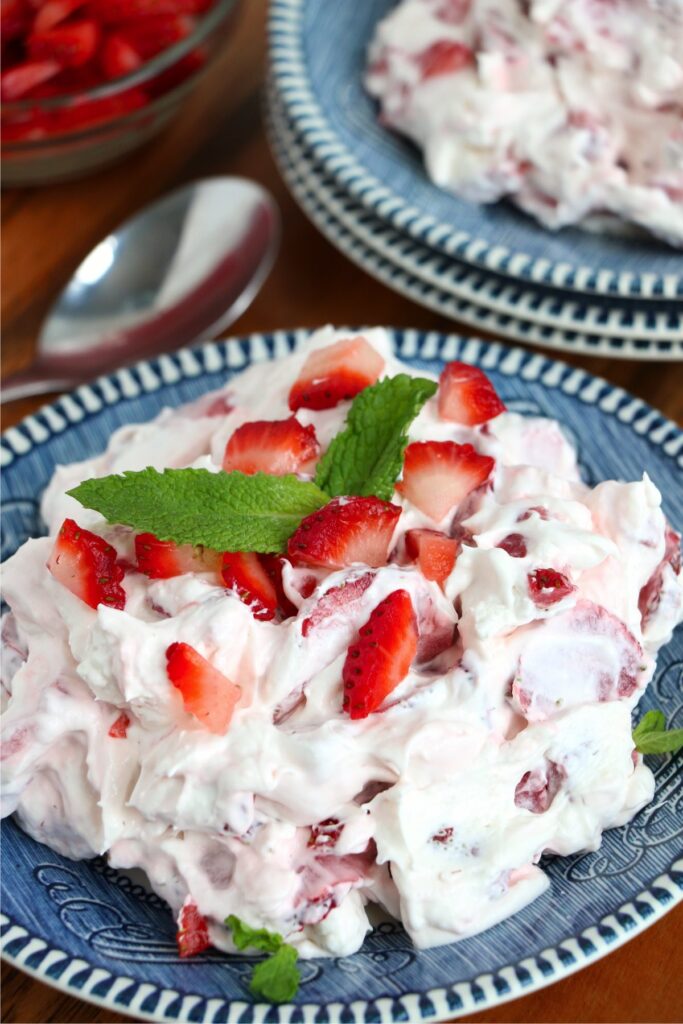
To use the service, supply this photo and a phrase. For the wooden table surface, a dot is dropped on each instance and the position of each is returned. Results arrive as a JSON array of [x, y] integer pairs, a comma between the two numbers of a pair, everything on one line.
[[45, 234]]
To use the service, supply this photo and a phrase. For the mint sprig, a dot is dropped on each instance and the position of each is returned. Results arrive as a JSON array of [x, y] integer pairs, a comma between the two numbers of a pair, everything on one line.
[[367, 456], [651, 735], [277, 977], [223, 511]]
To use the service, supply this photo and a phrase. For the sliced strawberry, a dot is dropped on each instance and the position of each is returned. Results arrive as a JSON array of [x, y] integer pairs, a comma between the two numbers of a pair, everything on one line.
[[381, 656], [207, 694], [335, 600], [272, 446], [53, 12], [115, 11], [162, 559], [345, 532], [273, 566], [335, 374], [193, 934], [537, 789], [433, 551], [438, 475], [650, 595], [446, 57], [84, 113], [149, 36], [71, 44], [547, 587], [23, 79], [119, 729], [467, 396], [179, 72], [325, 834], [244, 574], [15, 17], [118, 57], [86, 565], [514, 544]]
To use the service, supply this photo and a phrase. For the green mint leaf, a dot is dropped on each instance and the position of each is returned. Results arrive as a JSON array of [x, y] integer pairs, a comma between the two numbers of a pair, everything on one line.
[[223, 511], [277, 978], [367, 456], [652, 737], [245, 937]]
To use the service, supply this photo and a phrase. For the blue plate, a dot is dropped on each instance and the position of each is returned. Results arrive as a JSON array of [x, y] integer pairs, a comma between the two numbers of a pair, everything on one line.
[[318, 54], [99, 935]]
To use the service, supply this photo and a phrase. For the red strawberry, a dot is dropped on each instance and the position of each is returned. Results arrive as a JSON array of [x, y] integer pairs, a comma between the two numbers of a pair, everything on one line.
[[162, 559], [381, 657], [445, 57], [207, 694], [53, 12], [536, 790], [86, 565], [244, 574], [335, 374], [345, 532], [272, 446], [273, 566], [118, 57], [325, 834], [335, 600], [467, 396], [109, 11], [15, 17], [150, 35], [119, 729], [71, 44], [193, 934], [437, 475], [83, 113], [547, 587], [514, 544], [434, 553], [650, 595], [24, 78]]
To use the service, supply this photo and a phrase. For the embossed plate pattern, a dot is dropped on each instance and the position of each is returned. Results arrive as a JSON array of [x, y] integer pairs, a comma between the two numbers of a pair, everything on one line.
[[100, 935]]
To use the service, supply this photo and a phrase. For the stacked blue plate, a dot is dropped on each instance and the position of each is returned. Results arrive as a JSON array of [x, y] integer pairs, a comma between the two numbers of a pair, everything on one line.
[[489, 266]]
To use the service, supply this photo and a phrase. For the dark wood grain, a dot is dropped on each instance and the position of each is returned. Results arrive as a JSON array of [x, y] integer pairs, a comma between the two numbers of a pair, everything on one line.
[[45, 234]]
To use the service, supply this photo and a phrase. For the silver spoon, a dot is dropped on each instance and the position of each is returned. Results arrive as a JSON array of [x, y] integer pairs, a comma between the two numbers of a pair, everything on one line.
[[179, 271]]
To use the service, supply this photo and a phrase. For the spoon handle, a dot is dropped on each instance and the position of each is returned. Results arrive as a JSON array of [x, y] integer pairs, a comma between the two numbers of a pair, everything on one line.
[[35, 380]]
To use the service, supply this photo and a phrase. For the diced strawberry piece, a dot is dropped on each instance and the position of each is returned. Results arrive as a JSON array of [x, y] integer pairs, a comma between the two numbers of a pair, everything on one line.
[[325, 834], [443, 836], [272, 446], [53, 12], [244, 574], [23, 79], [71, 44], [273, 566], [86, 565], [207, 694], [434, 553], [193, 934], [438, 475], [650, 595], [467, 396], [162, 559], [118, 57], [179, 72], [15, 16], [381, 656], [150, 35], [115, 11], [335, 600], [345, 532], [514, 544], [445, 57], [119, 729], [537, 789], [547, 587], [335, 374]]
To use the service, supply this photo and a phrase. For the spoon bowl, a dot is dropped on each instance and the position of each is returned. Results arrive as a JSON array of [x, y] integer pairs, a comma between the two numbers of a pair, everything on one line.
[[178, 272]]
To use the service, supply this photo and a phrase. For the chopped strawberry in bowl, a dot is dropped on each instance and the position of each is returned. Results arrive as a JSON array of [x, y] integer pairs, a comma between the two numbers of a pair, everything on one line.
[[84, 82]]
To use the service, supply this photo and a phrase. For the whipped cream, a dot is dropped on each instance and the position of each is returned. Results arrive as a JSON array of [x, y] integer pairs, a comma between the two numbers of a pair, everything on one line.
[[513, 741], [572, 108]]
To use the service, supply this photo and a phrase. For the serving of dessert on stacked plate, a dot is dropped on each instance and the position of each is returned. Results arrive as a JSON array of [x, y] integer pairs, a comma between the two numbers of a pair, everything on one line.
[[518, 167]]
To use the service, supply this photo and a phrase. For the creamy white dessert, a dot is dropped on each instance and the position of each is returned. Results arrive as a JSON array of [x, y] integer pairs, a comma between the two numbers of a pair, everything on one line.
[[535, 607], [572, 108]]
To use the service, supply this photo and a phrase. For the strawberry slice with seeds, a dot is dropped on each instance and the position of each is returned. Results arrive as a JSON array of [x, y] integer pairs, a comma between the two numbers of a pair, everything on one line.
[[272, 446], [345, 532], [245, 575], [150, 35], [537, 789], [118, 57], [163, 559], [207, 694], [87, 565], [71, 44], [193, 935], [438, 475], [23, 79], [445, 57], [381, 656], [433, 551], [119, 729], [273, 566], [467, 396], [548, 586], [335, 374], [335, 600]]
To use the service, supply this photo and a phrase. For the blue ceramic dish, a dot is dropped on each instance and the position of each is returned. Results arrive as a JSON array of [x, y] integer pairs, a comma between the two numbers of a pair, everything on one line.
[[100, 935], [318, 55]]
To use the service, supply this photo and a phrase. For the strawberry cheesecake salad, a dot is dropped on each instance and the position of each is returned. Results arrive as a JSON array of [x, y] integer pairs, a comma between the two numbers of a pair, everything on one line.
[[571, 108], [339, 634]]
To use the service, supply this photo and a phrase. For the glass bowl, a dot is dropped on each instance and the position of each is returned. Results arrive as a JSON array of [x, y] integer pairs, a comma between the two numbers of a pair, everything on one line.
[[64, 137]]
